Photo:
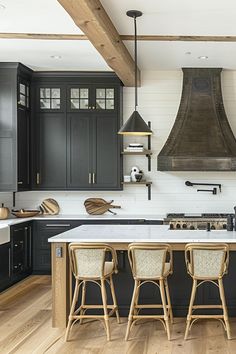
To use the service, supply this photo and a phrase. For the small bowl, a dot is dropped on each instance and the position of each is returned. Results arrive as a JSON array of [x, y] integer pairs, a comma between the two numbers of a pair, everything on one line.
[[138, 176], [25, 213]]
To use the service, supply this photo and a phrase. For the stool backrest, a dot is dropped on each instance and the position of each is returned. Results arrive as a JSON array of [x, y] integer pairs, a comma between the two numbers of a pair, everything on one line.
[[148, 261], [87, 260], [207, 261]]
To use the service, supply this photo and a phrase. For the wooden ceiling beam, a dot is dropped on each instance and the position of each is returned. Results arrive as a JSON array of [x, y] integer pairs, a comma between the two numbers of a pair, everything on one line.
[[92, 19], [124, 37]]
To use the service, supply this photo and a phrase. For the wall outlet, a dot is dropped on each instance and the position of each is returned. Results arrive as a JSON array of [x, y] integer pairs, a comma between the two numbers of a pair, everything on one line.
[[58, 252]]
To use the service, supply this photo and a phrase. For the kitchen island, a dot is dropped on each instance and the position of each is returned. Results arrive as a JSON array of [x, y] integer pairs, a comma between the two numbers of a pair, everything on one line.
[[119, 236]]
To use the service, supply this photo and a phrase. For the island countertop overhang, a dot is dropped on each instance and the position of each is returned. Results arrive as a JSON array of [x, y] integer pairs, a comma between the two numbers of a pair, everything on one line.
[[141, 233]]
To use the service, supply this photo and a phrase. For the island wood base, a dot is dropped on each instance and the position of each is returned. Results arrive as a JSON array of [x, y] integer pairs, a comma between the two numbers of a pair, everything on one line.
[[62, 279]]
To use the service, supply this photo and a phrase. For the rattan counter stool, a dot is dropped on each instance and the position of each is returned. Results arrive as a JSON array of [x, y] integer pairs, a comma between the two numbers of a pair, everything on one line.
[[87, 262], [150, 263], [207, 263]]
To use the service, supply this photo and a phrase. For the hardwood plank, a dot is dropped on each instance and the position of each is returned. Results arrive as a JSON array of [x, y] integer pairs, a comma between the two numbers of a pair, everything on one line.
[[92, 19], [30, 332]]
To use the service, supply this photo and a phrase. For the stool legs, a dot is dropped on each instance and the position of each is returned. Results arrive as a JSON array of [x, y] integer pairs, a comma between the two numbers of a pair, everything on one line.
[[225, 312], [131, 311], [170, 313], [113, 294], [72, 309], [104, 301], [223, 307], [83, 300], [163, 299], [190, 309]]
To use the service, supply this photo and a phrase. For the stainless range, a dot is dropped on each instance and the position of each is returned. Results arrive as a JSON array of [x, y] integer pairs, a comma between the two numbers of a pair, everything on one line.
[[197, 221]]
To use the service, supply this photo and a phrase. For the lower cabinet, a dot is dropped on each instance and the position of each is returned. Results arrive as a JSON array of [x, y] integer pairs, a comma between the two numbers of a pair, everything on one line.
[[21, 251], [43, 230], [5, 268]]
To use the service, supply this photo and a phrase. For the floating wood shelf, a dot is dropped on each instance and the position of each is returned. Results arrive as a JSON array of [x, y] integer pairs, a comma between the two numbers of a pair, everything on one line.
[[146, 183], [145, 152]]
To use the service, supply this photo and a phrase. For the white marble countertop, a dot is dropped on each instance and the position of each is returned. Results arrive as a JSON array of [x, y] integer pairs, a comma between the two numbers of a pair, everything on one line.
[[141, 233], [14, 220]]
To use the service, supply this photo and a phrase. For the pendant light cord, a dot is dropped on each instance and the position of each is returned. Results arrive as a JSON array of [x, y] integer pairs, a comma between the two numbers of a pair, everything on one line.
[[136, 65]]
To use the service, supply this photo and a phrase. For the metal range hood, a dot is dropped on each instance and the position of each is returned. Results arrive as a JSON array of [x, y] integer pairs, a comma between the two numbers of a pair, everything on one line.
[[201, 138]]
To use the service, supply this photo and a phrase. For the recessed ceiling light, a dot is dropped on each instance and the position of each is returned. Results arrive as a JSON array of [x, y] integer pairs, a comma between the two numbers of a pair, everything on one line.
[[203, 57], [55, 56], [2, 7]]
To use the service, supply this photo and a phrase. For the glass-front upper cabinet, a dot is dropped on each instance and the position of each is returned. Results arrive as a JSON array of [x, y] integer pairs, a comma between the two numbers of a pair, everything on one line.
[[86, 98], [79, 98], [105, 98], [23, 94], [50, 98]]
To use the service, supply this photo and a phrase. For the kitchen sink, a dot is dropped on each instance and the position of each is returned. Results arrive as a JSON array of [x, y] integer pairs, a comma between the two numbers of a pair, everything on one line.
[[4, 234]]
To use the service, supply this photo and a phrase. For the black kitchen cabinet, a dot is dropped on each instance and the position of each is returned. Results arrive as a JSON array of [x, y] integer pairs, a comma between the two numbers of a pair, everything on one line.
[[21, 250], [23, 134], [51, 151], [5, 265], [43, 230], [93, 154], [76, 119], [14, 126]]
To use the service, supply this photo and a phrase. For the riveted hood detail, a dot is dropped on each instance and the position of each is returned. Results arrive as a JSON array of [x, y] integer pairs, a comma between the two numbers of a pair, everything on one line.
[[201, 138]]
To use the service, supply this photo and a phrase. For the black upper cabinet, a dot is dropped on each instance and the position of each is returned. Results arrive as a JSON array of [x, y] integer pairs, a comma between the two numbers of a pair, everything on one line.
[[14, 126], [93, 160], [76, 120]]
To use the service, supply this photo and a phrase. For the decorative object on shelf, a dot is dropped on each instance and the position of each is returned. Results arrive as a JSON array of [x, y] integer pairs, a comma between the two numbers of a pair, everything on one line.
[[136, 174], [127, 178], [213, 190], [4, 212], [24, 213], [135, 125], [98, 206], [134, 147], [50, 207]]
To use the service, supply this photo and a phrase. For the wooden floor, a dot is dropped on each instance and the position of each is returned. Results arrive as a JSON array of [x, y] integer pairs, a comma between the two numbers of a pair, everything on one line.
[[25, 327]]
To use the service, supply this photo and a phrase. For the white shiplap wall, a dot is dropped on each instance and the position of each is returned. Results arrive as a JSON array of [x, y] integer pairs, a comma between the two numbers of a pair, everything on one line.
[[159, 99]]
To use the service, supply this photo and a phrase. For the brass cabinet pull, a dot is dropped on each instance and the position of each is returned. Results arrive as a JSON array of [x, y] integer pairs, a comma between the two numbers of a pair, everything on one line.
[[20, 182], [37, 178], [94, 180], [90, 178]]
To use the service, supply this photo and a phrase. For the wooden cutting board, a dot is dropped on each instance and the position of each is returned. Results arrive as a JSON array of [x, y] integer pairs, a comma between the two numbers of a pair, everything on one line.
[[50, 206], [98, 206]]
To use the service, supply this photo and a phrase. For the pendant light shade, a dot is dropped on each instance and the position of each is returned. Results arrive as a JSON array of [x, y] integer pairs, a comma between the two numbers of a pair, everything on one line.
[[135, 125]]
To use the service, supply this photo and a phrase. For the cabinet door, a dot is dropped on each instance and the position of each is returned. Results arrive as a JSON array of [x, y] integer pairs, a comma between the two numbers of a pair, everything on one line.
[[23, 149], [23, 135], [8, 118], [51, 151], [42, 248], [80, 150], [5, 265], [106, 161]]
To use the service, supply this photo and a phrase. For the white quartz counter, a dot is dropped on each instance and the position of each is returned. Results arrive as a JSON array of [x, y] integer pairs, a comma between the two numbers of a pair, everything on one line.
[[141, 233], [14, 220]]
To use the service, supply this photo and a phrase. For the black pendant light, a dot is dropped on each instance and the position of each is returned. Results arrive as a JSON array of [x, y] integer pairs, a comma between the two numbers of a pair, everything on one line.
[[135, 125]]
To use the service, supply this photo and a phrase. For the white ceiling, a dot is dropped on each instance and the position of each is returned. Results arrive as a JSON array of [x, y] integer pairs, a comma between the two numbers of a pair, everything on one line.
[[161, 17], [45, 16]]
